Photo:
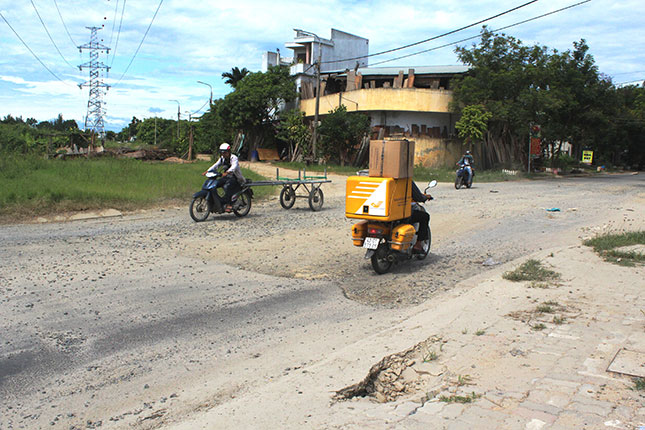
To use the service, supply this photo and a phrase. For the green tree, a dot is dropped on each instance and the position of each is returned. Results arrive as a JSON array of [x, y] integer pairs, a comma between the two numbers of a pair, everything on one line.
[[295, 133], [341, 133], [253, 106], [473, 123], [212, 129], [234, 77]]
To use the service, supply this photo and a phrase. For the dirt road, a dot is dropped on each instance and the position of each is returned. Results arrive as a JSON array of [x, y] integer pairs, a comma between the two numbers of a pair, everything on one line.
[[147, 319]]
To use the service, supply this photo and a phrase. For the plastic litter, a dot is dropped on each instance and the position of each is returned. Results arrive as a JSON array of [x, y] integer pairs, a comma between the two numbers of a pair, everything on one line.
[[553, 210], [490, 262]]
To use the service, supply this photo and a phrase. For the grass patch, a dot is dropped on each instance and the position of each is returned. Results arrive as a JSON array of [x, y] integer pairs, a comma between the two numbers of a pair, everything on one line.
[[32, 186], [545, 309], [531, 270], [480, 332], [639, 384], [468, 398], [605, 245], [538, 327], [430, 356]]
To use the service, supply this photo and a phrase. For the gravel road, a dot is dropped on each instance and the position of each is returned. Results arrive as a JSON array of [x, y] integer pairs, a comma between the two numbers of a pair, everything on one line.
[[148, 318]]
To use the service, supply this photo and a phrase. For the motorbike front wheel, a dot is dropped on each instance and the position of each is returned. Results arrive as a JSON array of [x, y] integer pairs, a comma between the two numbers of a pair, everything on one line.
[[380, 262], [243, 204], [199, 209], [458, 182]]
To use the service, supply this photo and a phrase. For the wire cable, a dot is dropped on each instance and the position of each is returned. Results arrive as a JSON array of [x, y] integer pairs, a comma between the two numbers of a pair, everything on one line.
[[50, 36], [139, 47], [116, 8], [63, 21], [477, 36], [118, 34], [200, 109], [435, 37], [32, 52]]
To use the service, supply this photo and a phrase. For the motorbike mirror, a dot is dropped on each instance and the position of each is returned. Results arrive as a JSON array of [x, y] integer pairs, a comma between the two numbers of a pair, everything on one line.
[[432, 183]]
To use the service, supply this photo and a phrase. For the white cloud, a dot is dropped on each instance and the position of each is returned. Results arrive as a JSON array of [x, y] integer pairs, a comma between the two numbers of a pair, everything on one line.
[[192, 41]]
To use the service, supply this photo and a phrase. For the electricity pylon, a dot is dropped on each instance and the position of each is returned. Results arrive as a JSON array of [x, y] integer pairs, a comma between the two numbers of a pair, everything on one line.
[[95, 112]]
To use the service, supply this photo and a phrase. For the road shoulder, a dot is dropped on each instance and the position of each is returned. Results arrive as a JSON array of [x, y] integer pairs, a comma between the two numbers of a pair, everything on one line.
[[488, 348]]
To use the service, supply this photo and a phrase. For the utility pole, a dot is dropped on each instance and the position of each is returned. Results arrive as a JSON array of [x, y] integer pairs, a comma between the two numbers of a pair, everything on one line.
[[178, 117], [95, 111], [314, 140], [190, 137]]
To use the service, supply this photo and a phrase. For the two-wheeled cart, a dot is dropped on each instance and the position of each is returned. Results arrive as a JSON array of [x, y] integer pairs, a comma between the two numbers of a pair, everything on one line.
[[290, 186]]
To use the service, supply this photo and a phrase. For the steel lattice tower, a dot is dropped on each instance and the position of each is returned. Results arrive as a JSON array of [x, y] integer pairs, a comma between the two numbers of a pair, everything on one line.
[[95, 111]]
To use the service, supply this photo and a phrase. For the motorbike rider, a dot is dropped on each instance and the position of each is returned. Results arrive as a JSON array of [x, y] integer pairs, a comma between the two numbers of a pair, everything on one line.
[[232, 178], [420, 216], [467, 161]]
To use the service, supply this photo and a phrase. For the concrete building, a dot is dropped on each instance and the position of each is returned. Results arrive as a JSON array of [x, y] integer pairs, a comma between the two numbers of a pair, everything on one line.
[[413, 102], [336, 53]]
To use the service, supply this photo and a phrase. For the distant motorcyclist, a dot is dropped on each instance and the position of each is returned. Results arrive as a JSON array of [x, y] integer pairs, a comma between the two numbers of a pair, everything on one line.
[[467, 162], [420, 216], [232, 177]]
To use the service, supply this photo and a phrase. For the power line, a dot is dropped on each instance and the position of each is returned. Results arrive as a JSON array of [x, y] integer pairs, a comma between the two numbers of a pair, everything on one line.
[[116, 8], [63, 21], [50, 36], [139, 47], [32, 52], [477, 36], [434, 37], [118, 34]]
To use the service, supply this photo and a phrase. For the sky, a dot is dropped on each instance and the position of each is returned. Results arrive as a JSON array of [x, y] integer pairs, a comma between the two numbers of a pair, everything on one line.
[[155, 67]]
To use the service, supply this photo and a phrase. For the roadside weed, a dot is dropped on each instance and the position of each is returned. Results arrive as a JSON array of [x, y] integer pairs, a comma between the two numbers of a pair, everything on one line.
[[468, 398], [558, 320], [480, 332], [639, 384], [538, 327], [607, 247], [531, 270], [430, 356], [463, 380]]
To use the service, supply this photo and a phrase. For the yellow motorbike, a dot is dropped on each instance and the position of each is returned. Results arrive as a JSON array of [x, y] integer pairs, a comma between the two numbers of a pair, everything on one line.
[[386, 230]]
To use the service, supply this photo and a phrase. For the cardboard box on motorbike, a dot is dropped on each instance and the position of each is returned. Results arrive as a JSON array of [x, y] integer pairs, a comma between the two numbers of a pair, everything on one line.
[[386, 195]]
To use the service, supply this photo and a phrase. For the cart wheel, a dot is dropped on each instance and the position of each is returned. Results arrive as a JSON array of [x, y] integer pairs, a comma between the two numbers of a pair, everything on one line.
[[316, 199], [287, 197]]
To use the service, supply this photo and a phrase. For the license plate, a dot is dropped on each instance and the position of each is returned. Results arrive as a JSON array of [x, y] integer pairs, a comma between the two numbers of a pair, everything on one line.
[[371, 242]]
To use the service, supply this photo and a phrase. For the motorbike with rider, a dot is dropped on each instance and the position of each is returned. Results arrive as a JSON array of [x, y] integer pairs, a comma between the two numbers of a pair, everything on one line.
[[465, 172]]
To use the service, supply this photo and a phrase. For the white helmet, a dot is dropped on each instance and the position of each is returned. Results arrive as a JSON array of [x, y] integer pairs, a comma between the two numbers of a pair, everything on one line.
[[224, 147]]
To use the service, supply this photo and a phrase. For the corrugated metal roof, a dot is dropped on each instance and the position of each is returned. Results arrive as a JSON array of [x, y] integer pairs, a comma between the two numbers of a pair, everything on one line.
[[418, 70]]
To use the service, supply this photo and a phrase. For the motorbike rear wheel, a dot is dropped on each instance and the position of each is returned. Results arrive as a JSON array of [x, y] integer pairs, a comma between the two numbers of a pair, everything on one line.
[[380, 262], [199, 209], [243, 204]]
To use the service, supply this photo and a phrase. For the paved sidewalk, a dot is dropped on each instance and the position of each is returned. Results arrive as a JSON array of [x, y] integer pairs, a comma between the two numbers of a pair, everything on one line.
[[487, 342]]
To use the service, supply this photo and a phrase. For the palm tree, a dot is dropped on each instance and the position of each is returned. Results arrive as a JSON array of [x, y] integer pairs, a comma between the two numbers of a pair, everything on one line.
[[235, 76]]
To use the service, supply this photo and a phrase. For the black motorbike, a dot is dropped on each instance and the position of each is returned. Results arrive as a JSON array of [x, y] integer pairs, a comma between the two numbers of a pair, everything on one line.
[[210, 199], [462, 176]]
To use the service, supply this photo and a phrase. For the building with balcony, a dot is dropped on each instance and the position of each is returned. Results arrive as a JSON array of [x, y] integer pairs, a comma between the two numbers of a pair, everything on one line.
[[413, 102]]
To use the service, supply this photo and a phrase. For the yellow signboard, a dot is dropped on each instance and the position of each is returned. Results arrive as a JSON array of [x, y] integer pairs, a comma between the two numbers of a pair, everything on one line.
[[587, 156]]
